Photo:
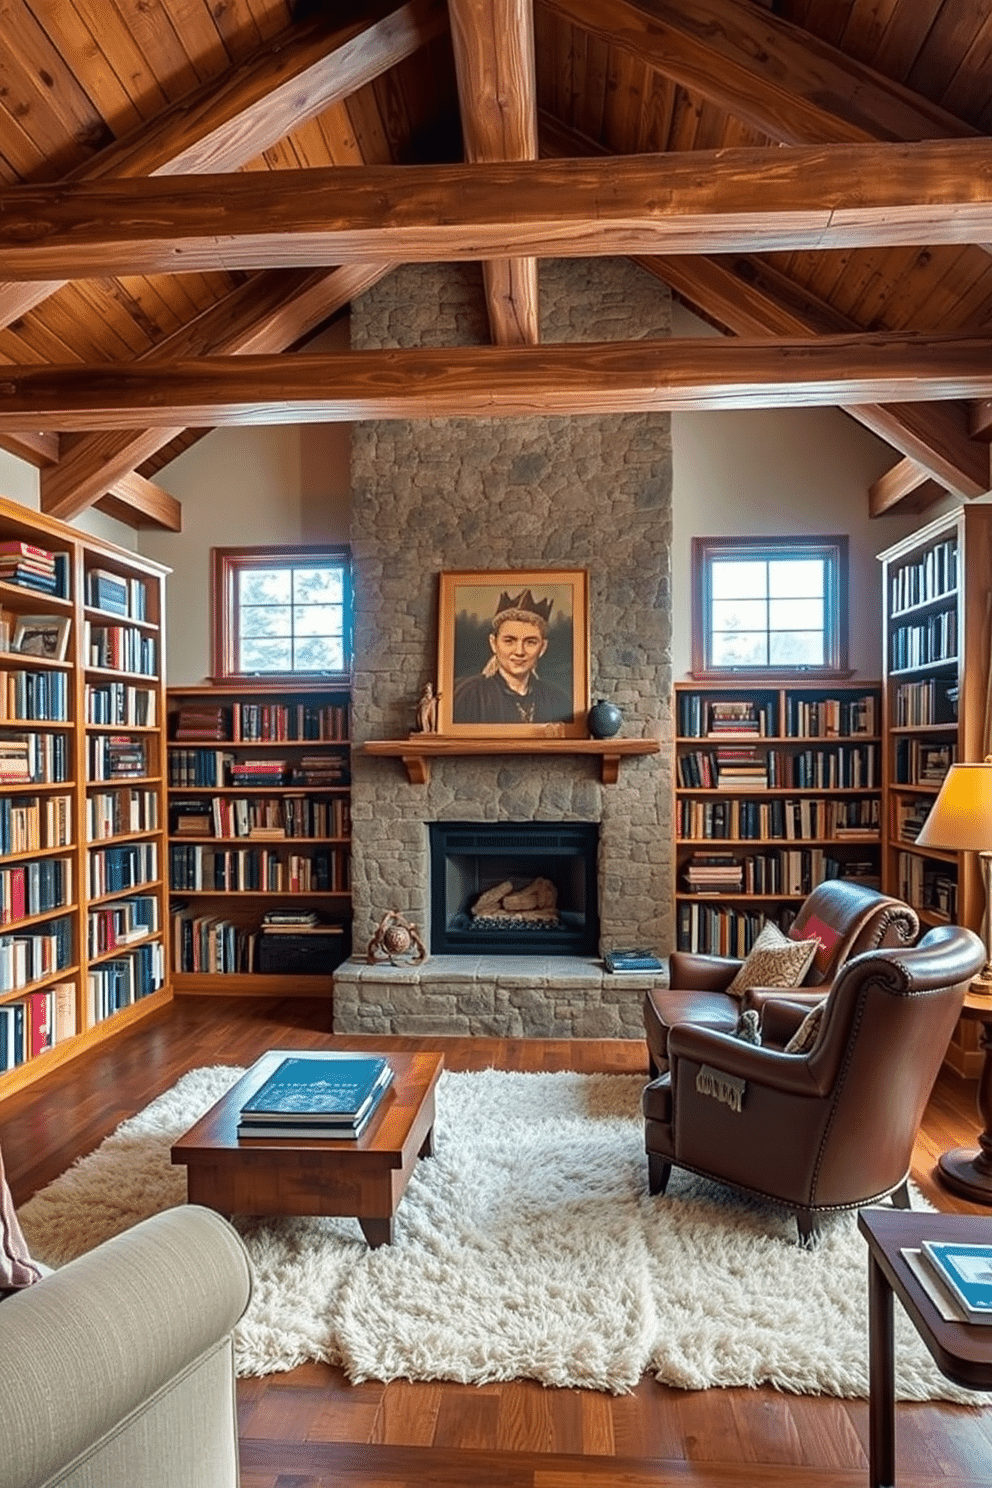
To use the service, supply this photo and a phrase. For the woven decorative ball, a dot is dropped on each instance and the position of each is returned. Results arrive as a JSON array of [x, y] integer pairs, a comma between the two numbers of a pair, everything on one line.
[[396, 939]]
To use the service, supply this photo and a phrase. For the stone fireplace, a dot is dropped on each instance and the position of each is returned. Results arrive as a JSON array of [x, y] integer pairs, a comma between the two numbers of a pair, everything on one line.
[[528, 492]]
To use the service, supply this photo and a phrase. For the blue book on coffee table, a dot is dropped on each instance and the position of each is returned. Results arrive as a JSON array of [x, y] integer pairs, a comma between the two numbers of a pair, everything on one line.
[[336, 1088]]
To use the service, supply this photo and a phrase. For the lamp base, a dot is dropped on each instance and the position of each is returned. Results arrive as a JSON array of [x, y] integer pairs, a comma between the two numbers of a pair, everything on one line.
[[983, 981], [964, 1172]]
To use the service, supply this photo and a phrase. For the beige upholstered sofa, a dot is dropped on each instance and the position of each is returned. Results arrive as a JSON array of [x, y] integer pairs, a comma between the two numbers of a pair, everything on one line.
[[118, 1369]]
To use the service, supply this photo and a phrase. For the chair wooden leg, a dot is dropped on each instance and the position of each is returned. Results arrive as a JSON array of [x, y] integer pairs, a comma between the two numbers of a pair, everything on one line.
[[806, 1224], [659, 1172], [901, 1198]]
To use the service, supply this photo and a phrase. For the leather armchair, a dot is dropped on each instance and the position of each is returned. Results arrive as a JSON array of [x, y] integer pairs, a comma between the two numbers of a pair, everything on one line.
[[832, 1128], [847, 917]]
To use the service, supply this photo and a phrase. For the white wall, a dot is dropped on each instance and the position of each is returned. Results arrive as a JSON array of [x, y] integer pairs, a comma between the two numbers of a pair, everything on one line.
[[21, 482], [763, 472]]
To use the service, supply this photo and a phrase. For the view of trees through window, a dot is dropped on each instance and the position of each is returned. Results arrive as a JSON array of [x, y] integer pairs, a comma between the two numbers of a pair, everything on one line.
[[768, 612], [291, 618]]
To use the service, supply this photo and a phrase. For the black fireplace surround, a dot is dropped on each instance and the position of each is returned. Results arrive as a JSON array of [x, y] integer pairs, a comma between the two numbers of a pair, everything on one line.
[[467, 858]]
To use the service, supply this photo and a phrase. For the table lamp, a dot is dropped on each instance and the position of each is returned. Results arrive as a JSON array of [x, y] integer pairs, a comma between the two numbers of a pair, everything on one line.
[[960, 820]]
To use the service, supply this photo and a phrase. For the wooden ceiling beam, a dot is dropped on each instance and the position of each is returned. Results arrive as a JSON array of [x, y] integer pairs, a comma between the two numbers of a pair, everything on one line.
[[141, 503], [33, 448], [499, 381], [493, 44], [772, 75], [711, 201], [270, 313], [230, 122], [894, 489], [980, 419], [744, 296]]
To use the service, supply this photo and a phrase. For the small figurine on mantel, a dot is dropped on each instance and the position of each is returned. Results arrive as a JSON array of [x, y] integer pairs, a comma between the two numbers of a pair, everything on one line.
[[427, 710], [395, 939]]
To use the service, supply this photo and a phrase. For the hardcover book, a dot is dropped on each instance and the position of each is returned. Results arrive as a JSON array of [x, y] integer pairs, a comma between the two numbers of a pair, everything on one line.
[[632, 960], [323, 1087], [967, 1272]]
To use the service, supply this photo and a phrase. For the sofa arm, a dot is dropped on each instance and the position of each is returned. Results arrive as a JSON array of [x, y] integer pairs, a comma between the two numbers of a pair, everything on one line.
[[789, 1073], [691, 971], [85, 1350]]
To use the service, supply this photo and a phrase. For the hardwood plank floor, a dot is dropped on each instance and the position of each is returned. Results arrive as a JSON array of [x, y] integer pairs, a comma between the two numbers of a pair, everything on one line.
[[310, 1428]]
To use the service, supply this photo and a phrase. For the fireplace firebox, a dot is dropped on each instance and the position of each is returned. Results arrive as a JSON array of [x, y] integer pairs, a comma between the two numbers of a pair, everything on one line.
[[476, 860]]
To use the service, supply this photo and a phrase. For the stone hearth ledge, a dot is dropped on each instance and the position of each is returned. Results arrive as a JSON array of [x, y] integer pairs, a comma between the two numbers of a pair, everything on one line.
[[491, 996]]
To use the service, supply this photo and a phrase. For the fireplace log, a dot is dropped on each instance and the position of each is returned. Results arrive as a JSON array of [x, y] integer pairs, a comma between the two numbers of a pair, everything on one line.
[[540, 893], [491, 902]]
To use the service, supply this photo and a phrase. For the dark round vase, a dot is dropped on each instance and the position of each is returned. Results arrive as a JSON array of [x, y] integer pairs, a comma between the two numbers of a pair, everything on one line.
[[604, 719]]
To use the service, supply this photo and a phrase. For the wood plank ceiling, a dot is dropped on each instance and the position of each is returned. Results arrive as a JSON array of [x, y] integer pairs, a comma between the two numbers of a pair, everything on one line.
[[814, 179]]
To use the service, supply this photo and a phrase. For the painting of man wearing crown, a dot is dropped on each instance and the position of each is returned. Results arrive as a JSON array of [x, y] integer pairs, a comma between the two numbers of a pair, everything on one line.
[[513, 653]]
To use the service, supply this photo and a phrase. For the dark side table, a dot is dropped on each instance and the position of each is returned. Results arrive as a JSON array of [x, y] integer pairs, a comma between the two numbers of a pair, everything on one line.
[[961, 1351]]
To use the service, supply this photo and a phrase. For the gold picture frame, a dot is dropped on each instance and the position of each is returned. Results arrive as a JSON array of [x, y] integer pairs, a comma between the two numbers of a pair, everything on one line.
[[532, 683]]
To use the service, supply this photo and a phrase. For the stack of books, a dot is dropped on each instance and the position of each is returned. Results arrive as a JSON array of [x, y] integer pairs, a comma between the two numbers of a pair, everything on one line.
[[321, 1095], [732, 716], [29, 566], [107, 591], [714, 873], [202, 721], [740, 768], [632, 960], [957, 1275], [258, 772]]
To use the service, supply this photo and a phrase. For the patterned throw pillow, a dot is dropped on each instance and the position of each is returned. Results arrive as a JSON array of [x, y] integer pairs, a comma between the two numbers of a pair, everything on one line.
[[774, 961], [808, 1031]]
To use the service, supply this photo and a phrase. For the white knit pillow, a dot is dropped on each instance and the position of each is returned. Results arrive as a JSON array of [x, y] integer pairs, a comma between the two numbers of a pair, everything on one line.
[[774, 961], [808, 1031]]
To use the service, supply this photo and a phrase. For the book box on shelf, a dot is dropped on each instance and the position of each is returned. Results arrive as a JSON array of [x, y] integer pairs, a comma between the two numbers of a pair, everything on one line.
[[776, 788], [935, 588], [259, 837], [83, 913]]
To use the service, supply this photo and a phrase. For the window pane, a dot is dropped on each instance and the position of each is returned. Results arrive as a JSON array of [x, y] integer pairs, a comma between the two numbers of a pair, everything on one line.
[[315, 620], [274, 621], [796, 648], [796, 614], [738, 615], [264, 586], [738, 578], [258, 655], [318, 585], [740, 648], [795, 576], [319, 654]]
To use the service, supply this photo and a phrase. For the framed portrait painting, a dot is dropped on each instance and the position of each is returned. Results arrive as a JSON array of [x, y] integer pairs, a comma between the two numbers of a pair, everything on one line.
[[513, 653]]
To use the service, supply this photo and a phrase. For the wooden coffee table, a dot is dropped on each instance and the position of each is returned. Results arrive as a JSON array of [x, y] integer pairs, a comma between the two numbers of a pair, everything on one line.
[[365, 1178]]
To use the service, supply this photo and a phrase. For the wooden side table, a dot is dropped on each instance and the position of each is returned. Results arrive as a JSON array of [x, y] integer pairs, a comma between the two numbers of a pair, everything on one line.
[[961, 1351], [968, 1170]]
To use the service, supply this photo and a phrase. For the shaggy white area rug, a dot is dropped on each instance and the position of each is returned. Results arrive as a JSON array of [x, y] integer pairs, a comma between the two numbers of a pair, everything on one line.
[[528, 1247]]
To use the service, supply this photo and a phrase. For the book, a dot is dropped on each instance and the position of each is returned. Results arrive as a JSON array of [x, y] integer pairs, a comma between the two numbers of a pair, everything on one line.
[[319, 1087], [305, 1131], [619, 961], [966, 1271]]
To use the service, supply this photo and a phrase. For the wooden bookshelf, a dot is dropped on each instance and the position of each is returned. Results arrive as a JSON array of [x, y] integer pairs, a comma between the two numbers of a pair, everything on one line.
[[935, 589], [776, 788], [259, 819], [93, 921]]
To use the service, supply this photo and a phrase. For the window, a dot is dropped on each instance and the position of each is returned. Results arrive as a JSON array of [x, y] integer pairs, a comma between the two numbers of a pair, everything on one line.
[[282, 612], [769, 605]]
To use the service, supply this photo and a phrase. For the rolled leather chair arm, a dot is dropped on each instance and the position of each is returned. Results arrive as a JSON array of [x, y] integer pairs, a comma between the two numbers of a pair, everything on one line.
[[692, 972], [91, 1344], [790, 1073], [780, 1017]]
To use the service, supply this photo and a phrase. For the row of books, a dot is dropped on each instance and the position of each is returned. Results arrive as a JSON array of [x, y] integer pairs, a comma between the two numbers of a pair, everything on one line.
[[263, 816], [117, 812], [932, 886], [932, 575], [316, 1096], [34, 759], [919, 704], [210, 943], [908, 817], [113, 925], [28, 957], [43, 696], [117, 757], [780, 819], [724, 930], [193, 867], [125, 980], [34, 823], [34, 888], [787, 871], [121, 648], [260, 722], [804, 717], [126, 866], [840, 767], [918, 762], [33, 1024], [121, 702], [926, 642], [831, 718], [32, 567], [117, 594], [212, 768]]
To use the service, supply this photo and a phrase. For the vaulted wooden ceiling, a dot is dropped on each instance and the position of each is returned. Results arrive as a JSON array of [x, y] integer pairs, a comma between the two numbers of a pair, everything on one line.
[[190, 191]]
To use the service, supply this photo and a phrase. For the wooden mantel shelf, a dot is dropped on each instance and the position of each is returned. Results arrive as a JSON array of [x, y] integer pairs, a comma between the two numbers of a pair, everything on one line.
[[418, 751]]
